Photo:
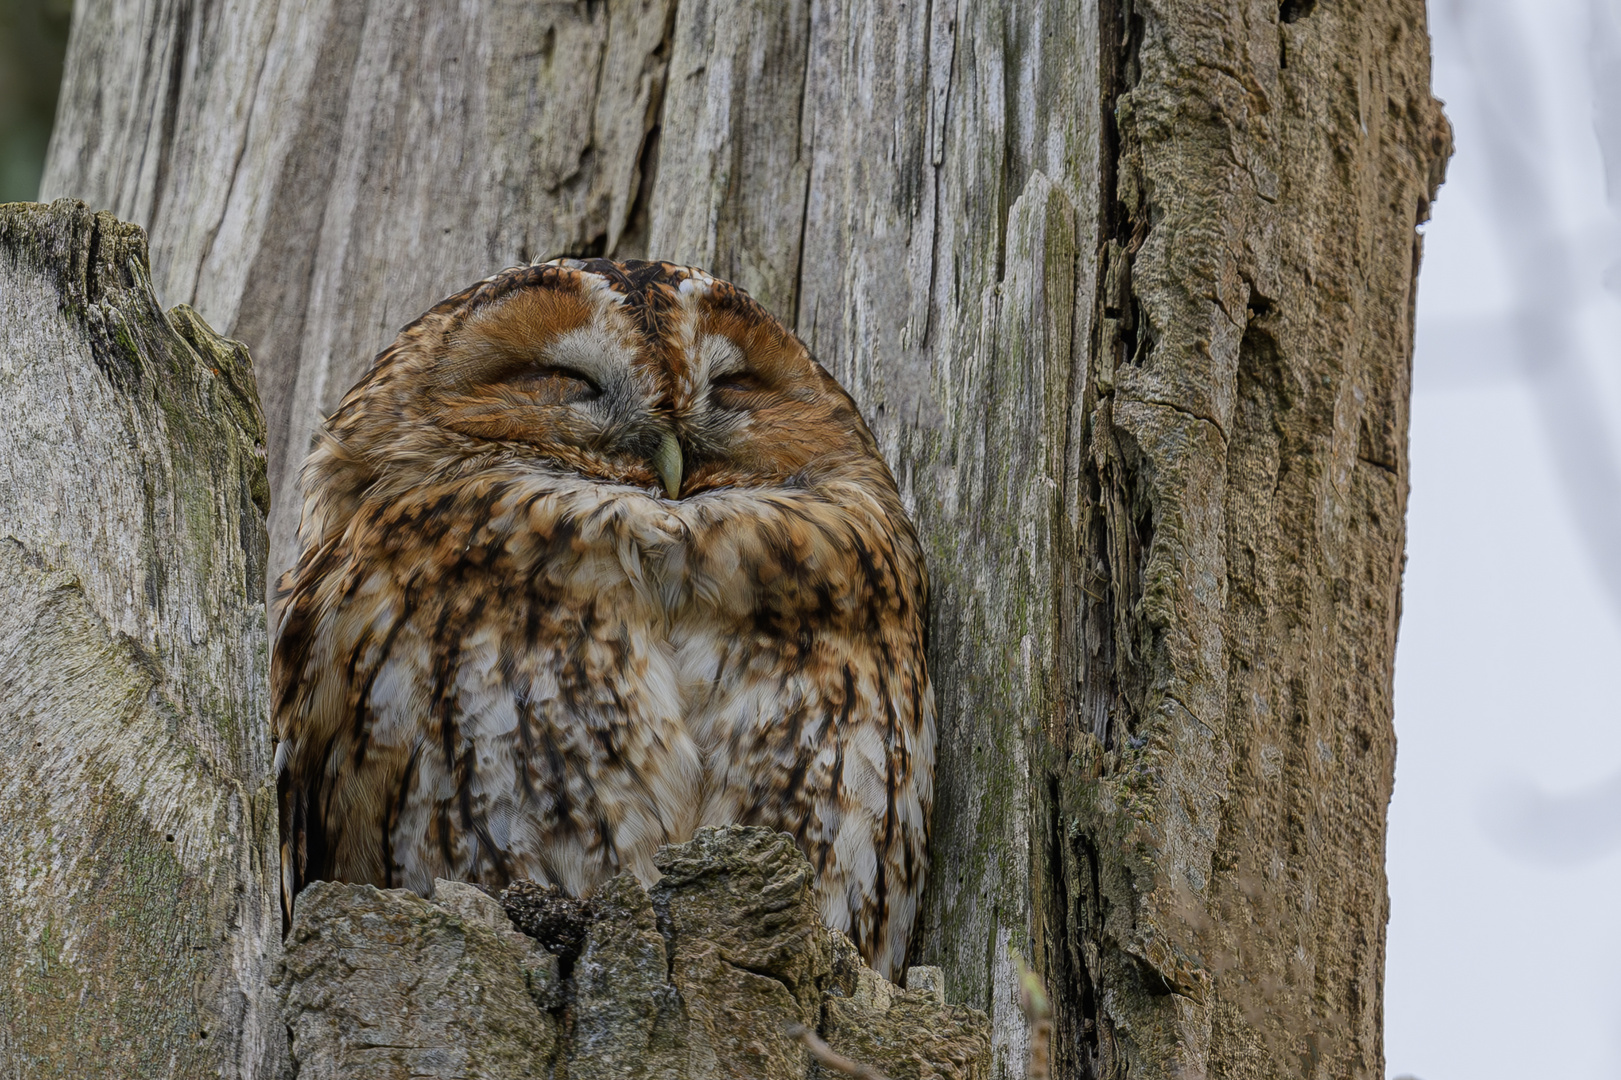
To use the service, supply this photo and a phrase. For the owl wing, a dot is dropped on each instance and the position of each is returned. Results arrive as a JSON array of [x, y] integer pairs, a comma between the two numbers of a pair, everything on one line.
[[818, 715]]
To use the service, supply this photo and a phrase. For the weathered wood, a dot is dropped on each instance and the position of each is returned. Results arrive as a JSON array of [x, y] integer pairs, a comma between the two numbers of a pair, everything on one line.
[[707, 976], [314, 177], [137, 835], [1125, 291], [1273, 165]]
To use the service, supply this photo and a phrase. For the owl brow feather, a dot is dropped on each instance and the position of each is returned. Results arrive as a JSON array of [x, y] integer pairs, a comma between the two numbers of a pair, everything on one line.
[[463, 305]]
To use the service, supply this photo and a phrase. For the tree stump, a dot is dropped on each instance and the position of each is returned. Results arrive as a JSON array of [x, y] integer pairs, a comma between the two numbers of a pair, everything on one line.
[[137, 810]]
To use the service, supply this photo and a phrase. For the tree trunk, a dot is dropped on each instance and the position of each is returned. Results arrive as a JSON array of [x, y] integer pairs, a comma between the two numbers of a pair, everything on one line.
[[1125, 290], [138, 831]]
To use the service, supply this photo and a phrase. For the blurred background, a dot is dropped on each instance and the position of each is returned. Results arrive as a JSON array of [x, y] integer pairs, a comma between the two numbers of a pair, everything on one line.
[[1505, 831], [33, 38]]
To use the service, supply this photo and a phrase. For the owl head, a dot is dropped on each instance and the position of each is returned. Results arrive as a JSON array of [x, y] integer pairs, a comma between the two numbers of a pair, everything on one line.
[[642, 374]]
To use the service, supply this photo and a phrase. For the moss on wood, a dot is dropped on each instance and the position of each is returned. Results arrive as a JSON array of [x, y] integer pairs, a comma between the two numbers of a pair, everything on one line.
[[137, 830]]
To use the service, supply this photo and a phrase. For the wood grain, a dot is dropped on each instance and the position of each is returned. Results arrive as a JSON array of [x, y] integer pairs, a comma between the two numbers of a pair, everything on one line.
[[1125, 291], [139, 824]]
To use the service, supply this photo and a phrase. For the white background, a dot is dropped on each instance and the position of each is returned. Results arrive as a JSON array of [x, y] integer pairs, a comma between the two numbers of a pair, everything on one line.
[[1505, 831]]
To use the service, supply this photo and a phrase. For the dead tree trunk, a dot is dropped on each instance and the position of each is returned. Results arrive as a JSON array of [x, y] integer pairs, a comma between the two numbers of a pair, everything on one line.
[[137, 812], [1125, 289]]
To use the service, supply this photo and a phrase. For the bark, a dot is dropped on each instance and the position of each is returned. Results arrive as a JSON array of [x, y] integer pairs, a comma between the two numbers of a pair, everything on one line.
[[139, 823], [1125, 290], [140, 877], [706, 977]]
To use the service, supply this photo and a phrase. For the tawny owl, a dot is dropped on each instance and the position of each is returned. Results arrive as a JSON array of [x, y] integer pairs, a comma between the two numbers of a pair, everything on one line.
[[595, 554]]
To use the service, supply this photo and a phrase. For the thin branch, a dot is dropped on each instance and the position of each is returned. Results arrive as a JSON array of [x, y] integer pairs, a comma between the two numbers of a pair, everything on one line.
[[830, 1058], [1038, 1012]]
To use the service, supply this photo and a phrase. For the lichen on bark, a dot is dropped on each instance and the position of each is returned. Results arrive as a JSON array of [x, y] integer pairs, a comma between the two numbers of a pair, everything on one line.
[[1124, 289], [1217, 832], [138, 821], [706, 975]]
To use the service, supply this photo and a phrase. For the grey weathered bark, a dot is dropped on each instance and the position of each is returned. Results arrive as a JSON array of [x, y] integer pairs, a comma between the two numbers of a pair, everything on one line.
[[137, 813], [704, 978], [1125, 289]]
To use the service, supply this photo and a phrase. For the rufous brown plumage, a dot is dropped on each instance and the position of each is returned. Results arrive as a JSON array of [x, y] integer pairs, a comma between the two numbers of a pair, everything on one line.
[[596, 554]]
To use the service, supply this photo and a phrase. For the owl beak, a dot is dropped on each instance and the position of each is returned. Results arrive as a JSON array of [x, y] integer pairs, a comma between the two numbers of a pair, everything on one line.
[[667, 460]]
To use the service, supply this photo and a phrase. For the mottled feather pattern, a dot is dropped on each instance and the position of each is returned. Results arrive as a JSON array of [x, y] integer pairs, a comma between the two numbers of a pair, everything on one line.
[[521, 643]]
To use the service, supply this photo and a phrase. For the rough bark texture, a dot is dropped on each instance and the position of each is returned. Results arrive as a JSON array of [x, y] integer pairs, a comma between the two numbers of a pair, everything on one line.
[[141, 936], [387, 985], [1223, 844], [699, 980], [137, 816], [1125, 290]]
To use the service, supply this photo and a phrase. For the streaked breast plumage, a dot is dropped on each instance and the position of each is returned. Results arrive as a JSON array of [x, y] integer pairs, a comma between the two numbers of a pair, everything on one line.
[[593, 555]]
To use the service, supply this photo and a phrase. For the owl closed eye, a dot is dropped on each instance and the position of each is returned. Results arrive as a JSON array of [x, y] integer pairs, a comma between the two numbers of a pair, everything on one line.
[[594, 555]]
